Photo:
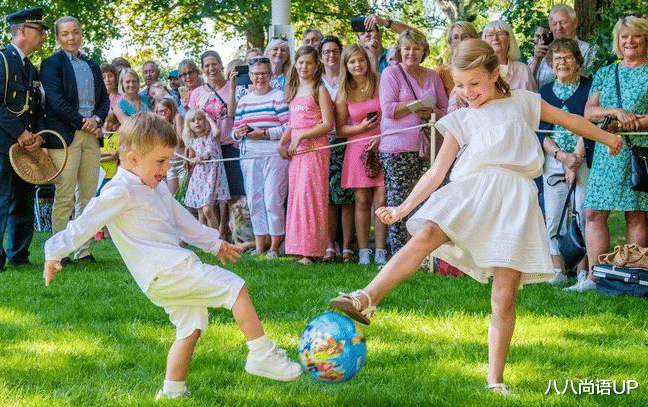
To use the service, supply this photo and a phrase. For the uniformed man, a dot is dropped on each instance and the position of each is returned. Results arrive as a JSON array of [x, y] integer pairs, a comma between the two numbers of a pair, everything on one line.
[[21, 116]]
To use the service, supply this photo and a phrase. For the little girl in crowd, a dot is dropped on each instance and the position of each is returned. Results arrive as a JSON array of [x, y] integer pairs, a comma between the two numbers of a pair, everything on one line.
[[208, 182], [487, 220], [358, 99], [166, 108], [311, 119]]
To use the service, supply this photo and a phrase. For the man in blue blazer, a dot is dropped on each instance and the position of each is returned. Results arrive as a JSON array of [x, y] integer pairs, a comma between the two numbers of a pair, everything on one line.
[[21, 116], [76, 105]]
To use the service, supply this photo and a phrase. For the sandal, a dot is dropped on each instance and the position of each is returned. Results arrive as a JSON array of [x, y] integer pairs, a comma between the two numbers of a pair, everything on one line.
[[350, 304], [305, 261], [348, 256], [498, 388], [330, 255]]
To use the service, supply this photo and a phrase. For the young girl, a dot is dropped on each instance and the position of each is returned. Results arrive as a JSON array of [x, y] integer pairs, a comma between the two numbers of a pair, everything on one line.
[[208, 182], [358, 99], [166, 108], [487, 220], [311, 119]]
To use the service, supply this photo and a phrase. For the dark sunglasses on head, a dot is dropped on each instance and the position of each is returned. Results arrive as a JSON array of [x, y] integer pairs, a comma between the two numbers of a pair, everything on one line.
[[637, 14], [259, 60]]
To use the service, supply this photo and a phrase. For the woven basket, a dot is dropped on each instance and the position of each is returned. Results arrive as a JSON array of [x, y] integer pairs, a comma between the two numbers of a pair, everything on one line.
[[36, 167]]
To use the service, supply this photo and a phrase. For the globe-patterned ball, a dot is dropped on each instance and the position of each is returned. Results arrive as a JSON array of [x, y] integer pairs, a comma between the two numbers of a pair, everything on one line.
[[331, 349]]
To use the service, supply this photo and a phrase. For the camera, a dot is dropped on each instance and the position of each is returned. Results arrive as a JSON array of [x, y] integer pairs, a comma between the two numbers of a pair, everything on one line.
[[547, 38]]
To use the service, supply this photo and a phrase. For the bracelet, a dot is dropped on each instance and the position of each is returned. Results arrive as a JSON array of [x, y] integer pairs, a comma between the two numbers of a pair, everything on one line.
[[555, 154], [265, 134], [389, 23]]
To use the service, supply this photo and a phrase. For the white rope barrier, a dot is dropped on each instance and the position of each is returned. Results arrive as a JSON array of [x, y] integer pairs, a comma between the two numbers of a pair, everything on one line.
[[328, 146]]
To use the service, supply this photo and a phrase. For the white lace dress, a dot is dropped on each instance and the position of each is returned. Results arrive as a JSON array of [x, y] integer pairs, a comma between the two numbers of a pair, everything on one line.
[[490, 208]]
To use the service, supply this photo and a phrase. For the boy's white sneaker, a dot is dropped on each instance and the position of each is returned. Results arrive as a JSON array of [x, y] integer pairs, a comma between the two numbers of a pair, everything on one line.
[[275, 365], [161, 395]]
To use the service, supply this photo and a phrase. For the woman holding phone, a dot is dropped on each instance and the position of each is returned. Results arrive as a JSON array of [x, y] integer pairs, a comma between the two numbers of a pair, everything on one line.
[[260, 120], [357, 116]]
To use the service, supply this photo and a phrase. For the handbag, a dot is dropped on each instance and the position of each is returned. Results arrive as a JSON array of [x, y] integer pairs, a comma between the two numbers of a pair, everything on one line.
[[371, 161], [638, 154], [570, 244], [426, 131]]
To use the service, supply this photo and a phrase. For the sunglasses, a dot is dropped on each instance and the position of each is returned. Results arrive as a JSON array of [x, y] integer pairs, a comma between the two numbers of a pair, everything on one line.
[[259, 60], [637, 14]]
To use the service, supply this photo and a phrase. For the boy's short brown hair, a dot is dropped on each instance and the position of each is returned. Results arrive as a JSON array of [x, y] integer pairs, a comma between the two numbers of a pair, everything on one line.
[[143, 131]]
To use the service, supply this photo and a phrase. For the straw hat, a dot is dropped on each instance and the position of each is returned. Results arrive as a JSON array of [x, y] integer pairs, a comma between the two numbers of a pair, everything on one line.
[[36, 167]]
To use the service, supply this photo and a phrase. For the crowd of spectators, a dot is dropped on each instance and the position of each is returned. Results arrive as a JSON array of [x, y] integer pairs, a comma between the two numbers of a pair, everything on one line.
[[264, 124]]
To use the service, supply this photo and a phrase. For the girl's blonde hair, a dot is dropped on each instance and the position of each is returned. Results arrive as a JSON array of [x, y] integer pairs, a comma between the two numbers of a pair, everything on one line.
[[499, 25], [347, 84], [293, 77], [473, 53], [192, 114], [122, 75], [169, 104]]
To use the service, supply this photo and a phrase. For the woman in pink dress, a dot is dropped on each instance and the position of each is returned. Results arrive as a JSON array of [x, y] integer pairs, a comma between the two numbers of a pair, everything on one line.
[[311, 119], [358, 101]]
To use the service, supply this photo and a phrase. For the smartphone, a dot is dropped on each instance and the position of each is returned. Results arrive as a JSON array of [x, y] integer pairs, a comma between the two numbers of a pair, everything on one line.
[[547, 38], [248, 129], [605, 123], [358, 24], [242, 75], [371, 115]]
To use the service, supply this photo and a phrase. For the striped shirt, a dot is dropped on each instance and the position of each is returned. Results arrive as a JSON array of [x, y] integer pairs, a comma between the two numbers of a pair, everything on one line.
[[269, 111]]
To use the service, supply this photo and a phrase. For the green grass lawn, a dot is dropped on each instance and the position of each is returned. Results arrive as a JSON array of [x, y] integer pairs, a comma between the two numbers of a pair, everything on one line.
[[93, 339]]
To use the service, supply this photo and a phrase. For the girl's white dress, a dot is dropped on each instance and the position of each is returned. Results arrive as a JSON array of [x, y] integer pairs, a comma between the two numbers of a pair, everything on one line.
[[208, 182], [490, 208]]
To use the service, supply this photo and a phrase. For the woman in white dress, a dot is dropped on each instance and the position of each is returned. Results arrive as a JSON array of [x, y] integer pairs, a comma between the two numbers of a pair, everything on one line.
[[487, 220]]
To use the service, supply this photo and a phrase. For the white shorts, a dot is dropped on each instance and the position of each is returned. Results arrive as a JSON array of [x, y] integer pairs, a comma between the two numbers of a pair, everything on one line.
[[176, 168], [188, 289]]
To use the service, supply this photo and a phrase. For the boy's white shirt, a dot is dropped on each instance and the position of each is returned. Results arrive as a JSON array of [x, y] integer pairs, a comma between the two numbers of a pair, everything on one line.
[[146, 224]]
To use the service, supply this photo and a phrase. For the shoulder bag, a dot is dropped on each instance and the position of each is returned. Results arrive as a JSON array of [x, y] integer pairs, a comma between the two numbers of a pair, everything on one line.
[[426, 131], [638, 154], [570, 244]]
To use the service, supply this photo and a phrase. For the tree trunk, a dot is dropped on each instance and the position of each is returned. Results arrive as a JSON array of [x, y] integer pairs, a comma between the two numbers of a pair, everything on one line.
[[587, 17], [255, 36]]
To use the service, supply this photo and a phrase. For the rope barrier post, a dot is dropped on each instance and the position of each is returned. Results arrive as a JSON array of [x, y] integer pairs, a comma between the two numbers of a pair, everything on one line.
[[432, 158]]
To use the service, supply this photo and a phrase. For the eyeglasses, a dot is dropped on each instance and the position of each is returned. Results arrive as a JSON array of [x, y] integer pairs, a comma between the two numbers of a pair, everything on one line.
[[257, 74], [40, 28], [259, 60], [499, 34], [183, 74], [566, 58], [333, 52]]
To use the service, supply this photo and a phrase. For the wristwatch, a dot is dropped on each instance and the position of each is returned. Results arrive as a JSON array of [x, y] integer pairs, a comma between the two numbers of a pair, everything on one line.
[[98, 120]]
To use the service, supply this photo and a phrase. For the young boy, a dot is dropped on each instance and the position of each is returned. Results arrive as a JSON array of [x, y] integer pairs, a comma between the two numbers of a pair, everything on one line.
[[147, 226]]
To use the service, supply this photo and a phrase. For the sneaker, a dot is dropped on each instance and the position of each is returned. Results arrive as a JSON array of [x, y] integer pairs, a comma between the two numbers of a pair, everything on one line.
[[271, 254], [582, 275], [559, 277], [364, 256], [275, 365], [161, 395], [381, 257], [582, 286]]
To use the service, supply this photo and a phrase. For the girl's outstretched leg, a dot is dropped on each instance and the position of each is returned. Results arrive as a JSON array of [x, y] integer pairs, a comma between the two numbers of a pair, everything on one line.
[[506, 283], [400, 267]]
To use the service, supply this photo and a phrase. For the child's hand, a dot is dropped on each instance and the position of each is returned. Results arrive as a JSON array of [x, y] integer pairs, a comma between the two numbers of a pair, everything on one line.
[[51, 267], [614, 144], [229, 252], [292, 148], [389, 214]]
